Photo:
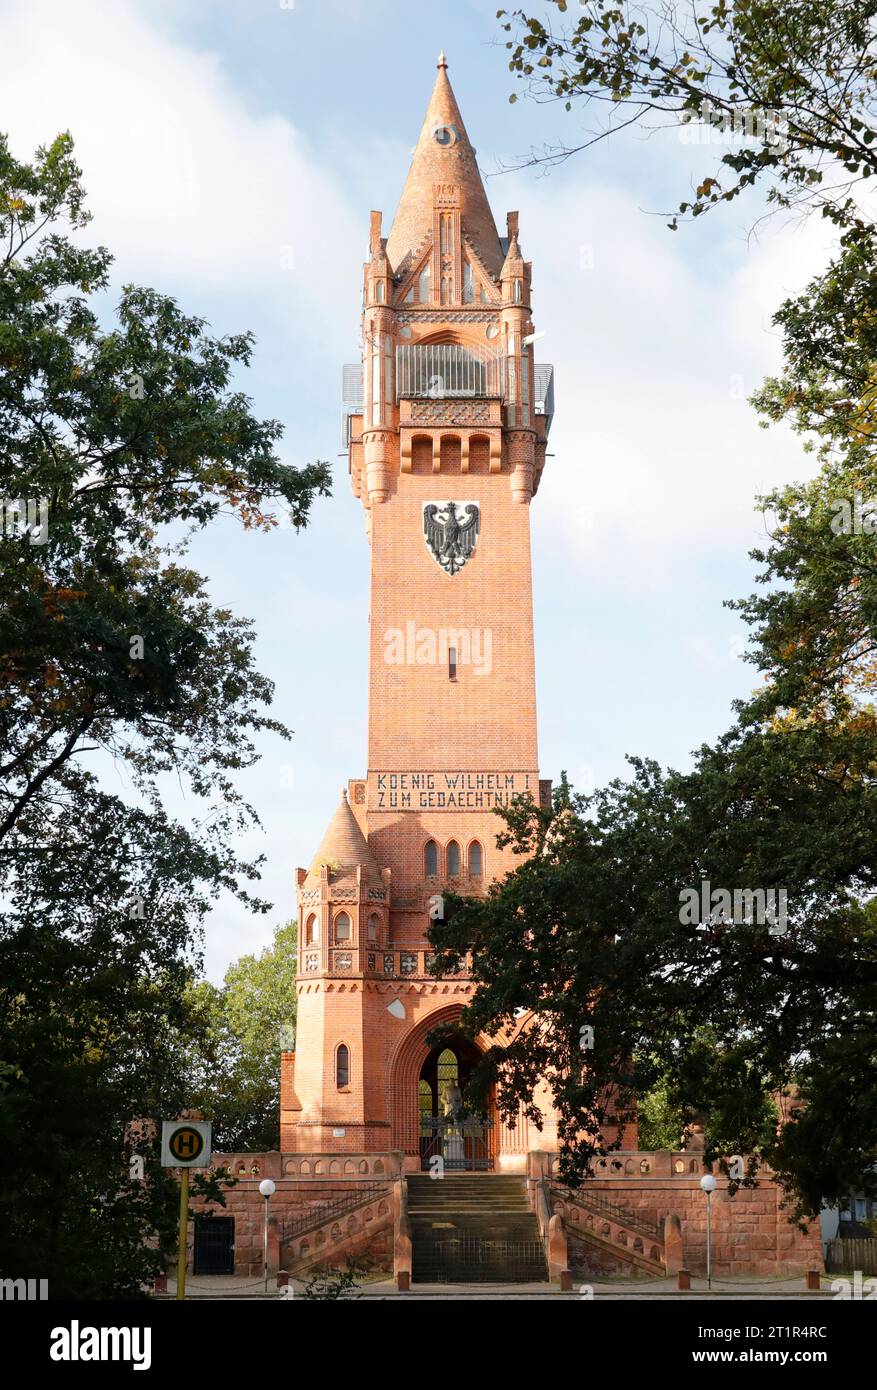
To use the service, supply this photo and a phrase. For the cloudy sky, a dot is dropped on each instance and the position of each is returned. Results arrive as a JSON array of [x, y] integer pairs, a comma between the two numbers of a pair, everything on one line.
[[232, 150]]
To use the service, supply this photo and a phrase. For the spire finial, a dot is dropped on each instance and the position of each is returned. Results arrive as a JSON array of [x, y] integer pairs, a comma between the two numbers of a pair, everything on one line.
[[442, 60], [344, 793]]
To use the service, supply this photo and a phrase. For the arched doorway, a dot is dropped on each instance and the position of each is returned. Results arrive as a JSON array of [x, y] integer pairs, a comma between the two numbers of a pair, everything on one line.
[[451, 1136]]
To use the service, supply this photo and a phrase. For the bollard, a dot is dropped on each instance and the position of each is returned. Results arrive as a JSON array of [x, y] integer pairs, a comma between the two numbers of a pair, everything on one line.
[[684, 1279], [566, 1281], [159, 1283], [813, 1280], [403, 1281]]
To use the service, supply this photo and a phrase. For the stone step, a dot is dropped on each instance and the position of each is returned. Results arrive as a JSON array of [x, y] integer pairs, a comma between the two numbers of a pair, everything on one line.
[[471, 1220], [480, 1274], [468, 1194], [472, 1179], [476, 1181], [474, 1229], [473, 1207], [474, 1225]]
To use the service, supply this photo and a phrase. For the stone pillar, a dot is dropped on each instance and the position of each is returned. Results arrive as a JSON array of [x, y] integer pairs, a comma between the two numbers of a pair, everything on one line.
[[673, 1243], [558, 1256]]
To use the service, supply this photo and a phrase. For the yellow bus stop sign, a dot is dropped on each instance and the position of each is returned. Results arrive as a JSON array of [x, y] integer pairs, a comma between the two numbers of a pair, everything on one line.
[[185, 1143]]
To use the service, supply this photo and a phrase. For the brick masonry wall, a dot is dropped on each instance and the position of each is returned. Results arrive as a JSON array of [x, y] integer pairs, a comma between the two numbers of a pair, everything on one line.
[[751, 1233], [293, 1198], [421, 722], [418, 718]]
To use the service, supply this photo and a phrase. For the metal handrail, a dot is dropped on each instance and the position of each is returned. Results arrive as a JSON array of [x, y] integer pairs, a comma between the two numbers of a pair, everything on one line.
[[317, 1216], [622, 1215]]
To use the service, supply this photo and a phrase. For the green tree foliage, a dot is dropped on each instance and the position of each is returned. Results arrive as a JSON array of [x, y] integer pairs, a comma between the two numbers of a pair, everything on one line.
[[336, 1283], [111, 657], [795, 78], [234, 1063], [708, 1017], [588, 932], [661, 1124]]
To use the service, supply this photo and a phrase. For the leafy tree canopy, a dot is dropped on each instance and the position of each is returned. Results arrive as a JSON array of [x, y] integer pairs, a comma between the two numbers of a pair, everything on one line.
[[111, 656], [796, 78], [706, 1017], [234, 1061]]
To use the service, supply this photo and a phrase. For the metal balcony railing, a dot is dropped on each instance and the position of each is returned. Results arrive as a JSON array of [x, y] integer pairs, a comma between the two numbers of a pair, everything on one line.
[[544, 392], [434, 370], [438, 370], [351, 398]]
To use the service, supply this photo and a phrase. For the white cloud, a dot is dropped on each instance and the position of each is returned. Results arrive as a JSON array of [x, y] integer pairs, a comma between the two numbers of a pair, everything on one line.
[[659, 338], [184, 182]]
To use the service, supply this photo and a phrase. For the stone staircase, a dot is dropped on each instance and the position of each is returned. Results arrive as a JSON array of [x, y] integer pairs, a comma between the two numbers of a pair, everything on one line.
[[633, 1238], [325, 1235], [473, 1228]]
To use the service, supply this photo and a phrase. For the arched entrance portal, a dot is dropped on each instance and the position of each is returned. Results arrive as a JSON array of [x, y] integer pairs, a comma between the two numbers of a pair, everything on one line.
[[452, 1137]]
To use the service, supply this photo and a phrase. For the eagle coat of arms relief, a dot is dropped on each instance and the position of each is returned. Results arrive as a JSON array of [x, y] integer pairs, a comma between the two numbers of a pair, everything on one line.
[[451, 531]]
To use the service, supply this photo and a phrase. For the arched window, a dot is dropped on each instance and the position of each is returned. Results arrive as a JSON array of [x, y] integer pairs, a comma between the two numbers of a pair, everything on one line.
[[519, 292], [312, 932], [476, 860], [448, 1078], [468, 283], [374, 923], [342, 927], [423, 285], [430, 857], [379, 291], [342, 1066], [453, 859], [425, 1097]]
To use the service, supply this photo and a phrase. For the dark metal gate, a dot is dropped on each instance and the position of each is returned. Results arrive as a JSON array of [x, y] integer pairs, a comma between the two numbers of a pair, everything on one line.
[[214, 1245], [478, 1260], [464, 1146]]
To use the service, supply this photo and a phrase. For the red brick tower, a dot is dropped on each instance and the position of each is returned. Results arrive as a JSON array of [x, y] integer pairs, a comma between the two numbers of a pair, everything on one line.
[[447, 425]]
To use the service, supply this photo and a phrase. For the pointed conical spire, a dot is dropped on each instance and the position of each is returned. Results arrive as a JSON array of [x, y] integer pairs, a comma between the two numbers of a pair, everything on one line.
[[344, 848], [514, 260], [443, 154]]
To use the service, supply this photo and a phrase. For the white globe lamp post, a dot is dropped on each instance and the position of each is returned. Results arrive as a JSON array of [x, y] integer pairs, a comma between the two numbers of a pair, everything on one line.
[[267, 1189], [708, 1185]]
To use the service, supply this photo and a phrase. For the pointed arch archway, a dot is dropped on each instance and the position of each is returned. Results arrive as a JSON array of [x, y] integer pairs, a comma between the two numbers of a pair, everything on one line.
[[406, 1064]]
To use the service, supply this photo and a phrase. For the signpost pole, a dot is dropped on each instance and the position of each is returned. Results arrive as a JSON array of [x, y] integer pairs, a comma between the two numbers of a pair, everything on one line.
[[184, 1230], [185, 1144]]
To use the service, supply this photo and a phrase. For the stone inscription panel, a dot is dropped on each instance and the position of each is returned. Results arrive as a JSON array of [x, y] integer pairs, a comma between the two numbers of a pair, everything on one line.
[[448, 791]]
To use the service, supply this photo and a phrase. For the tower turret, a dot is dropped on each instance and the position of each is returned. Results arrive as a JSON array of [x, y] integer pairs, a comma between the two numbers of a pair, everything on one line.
[[445, 428]]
